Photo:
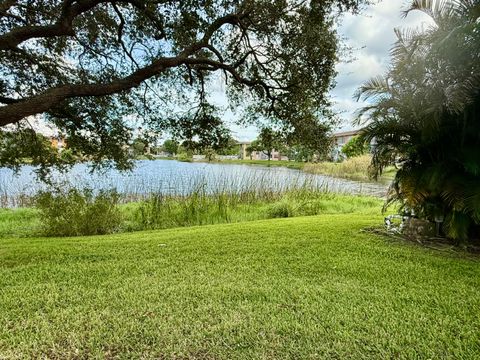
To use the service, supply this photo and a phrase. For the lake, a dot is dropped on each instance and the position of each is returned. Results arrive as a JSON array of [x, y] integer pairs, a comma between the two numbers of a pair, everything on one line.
[[178, 178]]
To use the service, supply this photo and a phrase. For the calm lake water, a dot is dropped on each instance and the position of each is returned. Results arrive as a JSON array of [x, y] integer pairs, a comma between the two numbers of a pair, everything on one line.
[[181, 178]]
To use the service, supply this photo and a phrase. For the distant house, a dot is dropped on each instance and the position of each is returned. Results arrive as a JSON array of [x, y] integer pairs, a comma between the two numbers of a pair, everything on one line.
[[258, 155], [344, 137], [339, 140]]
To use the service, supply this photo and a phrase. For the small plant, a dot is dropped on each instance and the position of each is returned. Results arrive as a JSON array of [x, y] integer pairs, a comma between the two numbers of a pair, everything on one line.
[[74, 212], [185, 157], [355, 147], [280, 210]]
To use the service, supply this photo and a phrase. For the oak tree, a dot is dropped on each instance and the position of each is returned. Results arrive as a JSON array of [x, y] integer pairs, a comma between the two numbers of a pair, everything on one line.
[[94, 69]]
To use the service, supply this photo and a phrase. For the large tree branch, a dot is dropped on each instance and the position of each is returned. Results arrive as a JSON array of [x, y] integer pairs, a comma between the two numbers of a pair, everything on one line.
[[50, 98], [15, 112], [7, 100], [62, 27]]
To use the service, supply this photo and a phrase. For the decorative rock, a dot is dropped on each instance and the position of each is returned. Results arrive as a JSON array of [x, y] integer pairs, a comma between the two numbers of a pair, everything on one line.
[[418, 229]]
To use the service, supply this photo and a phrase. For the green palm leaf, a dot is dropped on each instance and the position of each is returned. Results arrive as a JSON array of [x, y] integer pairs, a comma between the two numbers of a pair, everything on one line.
[[423, 116]]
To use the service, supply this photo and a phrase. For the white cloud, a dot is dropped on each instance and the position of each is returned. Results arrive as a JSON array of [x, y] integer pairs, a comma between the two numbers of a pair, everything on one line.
[[371, 35]]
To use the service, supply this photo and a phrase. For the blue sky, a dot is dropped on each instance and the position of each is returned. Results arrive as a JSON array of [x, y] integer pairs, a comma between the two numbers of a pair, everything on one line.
[[371, 35]]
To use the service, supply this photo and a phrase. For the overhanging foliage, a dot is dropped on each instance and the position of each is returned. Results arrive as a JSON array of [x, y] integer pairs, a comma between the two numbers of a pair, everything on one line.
[[94, 68]]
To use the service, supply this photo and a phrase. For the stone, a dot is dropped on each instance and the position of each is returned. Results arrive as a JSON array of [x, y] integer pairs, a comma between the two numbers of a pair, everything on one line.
[[418, 229]]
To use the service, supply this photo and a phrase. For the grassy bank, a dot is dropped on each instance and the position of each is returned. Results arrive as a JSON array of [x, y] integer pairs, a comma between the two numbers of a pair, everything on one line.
[[352, 169], [356, 168], [279, 163], [304, 288], [199, 208]]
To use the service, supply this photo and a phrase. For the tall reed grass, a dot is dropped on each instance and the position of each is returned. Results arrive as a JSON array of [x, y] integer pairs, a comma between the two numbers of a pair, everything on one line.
[[225, 204], [191, 200], [198, 201], [356, 168], [10, 198]]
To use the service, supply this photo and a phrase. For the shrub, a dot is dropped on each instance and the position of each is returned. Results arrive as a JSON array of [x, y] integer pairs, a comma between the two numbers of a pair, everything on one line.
[[280, 210], [424, 117], [185, 157], [355, 147], [73, 212]]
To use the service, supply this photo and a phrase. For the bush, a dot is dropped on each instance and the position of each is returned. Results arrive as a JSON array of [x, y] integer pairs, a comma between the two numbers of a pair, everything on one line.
[[424, 117], [74, 212], [355, 147], [185, 157], [280, 210]]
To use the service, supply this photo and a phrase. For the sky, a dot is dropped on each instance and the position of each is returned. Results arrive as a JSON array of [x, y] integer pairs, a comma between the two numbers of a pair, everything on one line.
[[371, 36]]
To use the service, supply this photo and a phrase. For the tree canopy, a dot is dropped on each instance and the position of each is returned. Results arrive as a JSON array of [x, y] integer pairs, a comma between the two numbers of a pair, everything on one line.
[[311, 141], [424, 117], [170, 146], [201, 130], [356, 146], [267, 141], [93, 68]]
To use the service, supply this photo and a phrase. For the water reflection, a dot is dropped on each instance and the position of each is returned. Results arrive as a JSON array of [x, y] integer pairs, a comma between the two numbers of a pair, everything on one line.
[[180, 178]]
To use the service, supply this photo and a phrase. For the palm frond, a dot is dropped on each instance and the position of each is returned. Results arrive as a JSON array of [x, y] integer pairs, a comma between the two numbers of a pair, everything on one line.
[[408, 41], [436, 9], [472, 203], [456, 225], [375, 87], [460, 94], [423, 116]]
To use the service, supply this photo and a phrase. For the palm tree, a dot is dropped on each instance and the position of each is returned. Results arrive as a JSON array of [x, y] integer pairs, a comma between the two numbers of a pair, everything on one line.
[[424, 117]]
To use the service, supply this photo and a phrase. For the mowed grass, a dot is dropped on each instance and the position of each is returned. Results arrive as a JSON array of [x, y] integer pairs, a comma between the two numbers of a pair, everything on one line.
[[297, 288]]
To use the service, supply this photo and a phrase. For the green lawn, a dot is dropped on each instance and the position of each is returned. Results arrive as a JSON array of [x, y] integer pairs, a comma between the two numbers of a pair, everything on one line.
[[298, 288]]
